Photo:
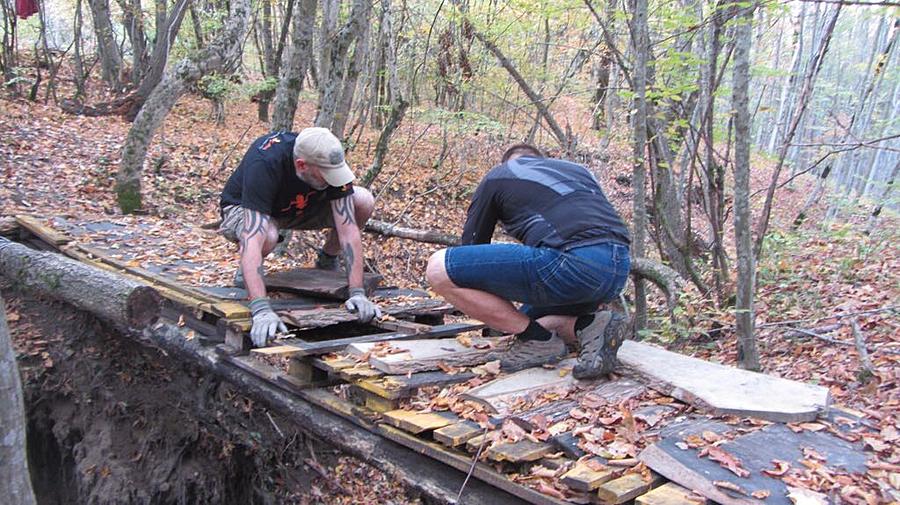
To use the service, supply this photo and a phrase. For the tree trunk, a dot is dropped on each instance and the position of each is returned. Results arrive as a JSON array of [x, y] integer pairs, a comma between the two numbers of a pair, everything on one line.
[[873, 218], [333, 61], [296, 64], [165, 38], [639, 125], [270, 67], [110, 59], [221, 55], [16, 488], [133, 20], [813, 197], [748, 355], [119, 300], [345, 102]]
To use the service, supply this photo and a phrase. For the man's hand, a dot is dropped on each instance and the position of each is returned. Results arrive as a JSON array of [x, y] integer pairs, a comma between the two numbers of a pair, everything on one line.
[[266, 322], [363, 306]]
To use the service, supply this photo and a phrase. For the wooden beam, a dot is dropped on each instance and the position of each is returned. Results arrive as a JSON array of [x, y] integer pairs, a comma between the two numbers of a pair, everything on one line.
[[499, 394], [457, 434], [418, 422], [338, 344], [422, 355], [318, 317], [584, 477], [626, 488], [670, 494], [42, 231], [724, 389]]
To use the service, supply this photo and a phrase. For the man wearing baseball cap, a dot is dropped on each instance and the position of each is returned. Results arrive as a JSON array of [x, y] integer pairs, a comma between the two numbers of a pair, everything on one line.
[[295, 181]]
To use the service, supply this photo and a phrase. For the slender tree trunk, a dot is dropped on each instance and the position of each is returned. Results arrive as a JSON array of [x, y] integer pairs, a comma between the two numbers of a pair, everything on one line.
[[639, 124], [296, 64], [10, 43], [873, 217], [198, 28], [351, 77], [78, 56], [221, 55], [334, 58], [803, 101], [16, 488], [133, 20], [270, 67], [110, 59], [748, 355]]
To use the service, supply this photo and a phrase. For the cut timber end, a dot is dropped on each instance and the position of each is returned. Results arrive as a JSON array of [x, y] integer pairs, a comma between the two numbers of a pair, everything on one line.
[[143, 307], [583, 478], [724, 389], [626, 488], [417, 422], [519, 452], [670, 494], [457, 434]]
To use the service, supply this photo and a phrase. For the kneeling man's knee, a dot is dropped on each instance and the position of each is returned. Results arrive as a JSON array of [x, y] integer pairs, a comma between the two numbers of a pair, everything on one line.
[[436, 272], [364, 201]]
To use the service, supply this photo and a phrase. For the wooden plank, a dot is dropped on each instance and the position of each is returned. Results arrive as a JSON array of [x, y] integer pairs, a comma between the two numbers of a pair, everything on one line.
[[338, 344], [670, 494], [552, 413], [614, 392], [755, 451], [499, 394], [418, 422], [724, 389], [568, 444], [522, 451], [626, 488], [231, 310], [401, 326], [358, 372], [42, 231], [316, 317], [275, 350], [315, 282], [582, 477], [462, 463], [457, 434], [422, 355], [402, 386]]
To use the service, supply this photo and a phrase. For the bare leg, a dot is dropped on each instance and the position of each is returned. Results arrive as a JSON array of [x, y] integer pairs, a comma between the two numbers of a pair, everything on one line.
[[492, 310], [564, 326], [364, 203]]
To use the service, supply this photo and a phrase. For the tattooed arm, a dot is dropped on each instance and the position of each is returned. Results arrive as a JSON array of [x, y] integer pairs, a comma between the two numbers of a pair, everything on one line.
[[344, 213], [257, 228]]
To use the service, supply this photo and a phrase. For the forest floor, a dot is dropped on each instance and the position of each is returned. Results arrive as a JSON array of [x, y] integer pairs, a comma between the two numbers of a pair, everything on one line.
[[823, 278]]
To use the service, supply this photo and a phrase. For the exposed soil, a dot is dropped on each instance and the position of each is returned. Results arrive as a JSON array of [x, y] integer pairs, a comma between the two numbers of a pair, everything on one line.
[[111, 421]]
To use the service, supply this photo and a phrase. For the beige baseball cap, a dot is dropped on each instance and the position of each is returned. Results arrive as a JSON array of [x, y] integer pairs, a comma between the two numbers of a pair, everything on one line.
[[319, 147]]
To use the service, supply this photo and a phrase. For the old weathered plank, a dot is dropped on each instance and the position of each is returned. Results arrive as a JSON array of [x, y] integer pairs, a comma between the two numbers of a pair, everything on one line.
[[584, 478], [422, 355], [551, 413], [519, 452], [755, 451], [724, 389], [401, 386], [499, 394], [568, 444], [457, 434], [418, 422], [320, 317], [315, 282], [616, 391], [401, 326], [327, 346], [42, 231], [670, 494], [626, 487]]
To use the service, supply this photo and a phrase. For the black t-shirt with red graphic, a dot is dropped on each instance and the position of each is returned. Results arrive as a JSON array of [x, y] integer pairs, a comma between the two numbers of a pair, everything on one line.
[[266, 181]]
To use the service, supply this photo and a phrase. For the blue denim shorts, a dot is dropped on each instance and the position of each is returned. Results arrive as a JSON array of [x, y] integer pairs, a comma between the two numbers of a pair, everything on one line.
[[547, 281]]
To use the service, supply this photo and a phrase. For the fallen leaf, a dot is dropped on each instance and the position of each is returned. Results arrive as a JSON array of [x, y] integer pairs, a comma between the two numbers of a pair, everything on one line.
[[760, 494], [727, 460], [876, 444], [802, 496], [550, 491], [724, 484], [781, 468]]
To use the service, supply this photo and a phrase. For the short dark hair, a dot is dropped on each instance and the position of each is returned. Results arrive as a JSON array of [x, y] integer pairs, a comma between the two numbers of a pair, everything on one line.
[[521, 150]]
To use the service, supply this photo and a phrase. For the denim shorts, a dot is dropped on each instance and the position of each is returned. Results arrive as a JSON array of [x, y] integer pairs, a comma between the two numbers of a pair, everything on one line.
[[547, 281]]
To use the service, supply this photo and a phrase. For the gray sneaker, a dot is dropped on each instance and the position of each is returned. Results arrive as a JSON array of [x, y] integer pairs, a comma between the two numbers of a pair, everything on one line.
[[325, 261], [530, 353], [599, 342]]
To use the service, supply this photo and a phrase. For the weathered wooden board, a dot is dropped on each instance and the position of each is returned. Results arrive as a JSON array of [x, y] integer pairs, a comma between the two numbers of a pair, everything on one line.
[[401, 386], [626, 488], [457, 434], [669, 494], [584, 478], [319, 317], [423, 355], [519, 452], [44, 232], [755, 451], [307, 348], [616, 391], [552, 412], [724, 389], [418, 422], [315, 282], [500, 394]]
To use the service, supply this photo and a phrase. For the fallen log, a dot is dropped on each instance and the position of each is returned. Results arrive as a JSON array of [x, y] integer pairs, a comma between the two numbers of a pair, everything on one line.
[[665, 278], [119, 300]]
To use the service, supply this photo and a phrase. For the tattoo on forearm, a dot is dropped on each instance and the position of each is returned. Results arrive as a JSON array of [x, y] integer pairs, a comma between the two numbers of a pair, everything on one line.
[[346, 209], [348, 259], [255, 223]]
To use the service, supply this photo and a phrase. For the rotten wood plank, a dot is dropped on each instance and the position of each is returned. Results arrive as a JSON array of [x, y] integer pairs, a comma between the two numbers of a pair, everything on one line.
[[626, 488], [423, 355], [42, 231], [457, 434], [418, 422], [499, 394], [318, 317], [315, 282], [393, 387], [724, 389], [338, 344], [583, 477], [670, 493], [522, 451]]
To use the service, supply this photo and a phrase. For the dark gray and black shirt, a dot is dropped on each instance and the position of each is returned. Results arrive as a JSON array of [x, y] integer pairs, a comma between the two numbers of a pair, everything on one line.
[[543, 202]]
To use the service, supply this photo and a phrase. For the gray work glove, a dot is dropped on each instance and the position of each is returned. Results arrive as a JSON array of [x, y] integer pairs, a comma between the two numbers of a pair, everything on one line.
[[266, 322], [363, 306]]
